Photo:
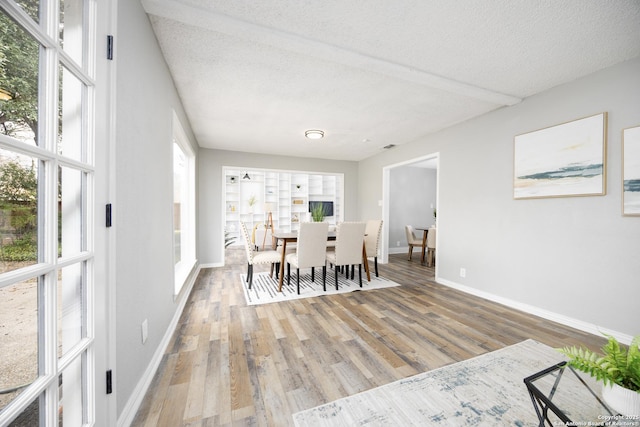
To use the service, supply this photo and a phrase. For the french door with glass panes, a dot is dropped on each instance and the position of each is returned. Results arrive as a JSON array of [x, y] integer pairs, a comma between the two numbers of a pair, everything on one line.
[[48, 228]]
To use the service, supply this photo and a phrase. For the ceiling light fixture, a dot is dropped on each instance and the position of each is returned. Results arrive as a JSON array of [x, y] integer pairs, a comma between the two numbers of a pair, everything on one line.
[[246, 176], [314, 134]]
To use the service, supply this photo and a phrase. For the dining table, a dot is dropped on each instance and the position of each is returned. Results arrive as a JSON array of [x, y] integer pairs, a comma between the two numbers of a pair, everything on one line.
[[292, 237], [425, 231]]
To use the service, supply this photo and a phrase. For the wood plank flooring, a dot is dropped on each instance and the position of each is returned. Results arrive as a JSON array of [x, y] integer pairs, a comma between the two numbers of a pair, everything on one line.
[[230, 364]]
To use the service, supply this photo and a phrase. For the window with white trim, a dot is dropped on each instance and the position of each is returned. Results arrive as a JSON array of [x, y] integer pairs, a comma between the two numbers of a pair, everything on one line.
[[46, 188], [184, 206]]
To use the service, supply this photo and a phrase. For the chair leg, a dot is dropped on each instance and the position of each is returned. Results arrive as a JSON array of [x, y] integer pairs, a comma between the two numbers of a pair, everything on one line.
[[375, 263], [298, 276], [248, 271], [324, 278], [288, 274], [360, 273], [250, 274], [277, 269], [313, 274], [410, 251], [336, 277]]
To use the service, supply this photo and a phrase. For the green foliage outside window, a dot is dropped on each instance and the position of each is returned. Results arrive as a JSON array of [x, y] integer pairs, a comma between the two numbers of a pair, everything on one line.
[[18, 207], [19, 57]]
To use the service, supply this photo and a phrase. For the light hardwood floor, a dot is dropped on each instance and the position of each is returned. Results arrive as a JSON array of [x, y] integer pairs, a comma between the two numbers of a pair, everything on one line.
[[233, 364]]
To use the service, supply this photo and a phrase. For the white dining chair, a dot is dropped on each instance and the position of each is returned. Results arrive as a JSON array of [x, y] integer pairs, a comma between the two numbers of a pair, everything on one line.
[[372, 234], [310, 252], [348, 250], [253, 257]]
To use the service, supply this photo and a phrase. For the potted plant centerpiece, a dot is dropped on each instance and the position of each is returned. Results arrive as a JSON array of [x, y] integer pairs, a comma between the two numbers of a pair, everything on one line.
[[618, 369], [317, 212]]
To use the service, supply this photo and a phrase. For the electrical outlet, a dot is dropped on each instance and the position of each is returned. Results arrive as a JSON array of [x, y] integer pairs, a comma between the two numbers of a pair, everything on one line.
[[145, 330], [463, 272]]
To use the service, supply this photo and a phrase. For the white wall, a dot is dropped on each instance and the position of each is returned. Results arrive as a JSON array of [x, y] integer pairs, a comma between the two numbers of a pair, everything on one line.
[[145, 98], [210, 197], [412, 192], [576, 257]]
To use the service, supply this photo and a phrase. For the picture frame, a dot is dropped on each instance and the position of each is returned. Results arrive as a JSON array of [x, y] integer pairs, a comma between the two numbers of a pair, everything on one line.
[[564, 160], [631, 171]]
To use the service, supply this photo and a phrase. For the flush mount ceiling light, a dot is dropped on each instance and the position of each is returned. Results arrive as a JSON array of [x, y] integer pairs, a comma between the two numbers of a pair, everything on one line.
[[314, 134]]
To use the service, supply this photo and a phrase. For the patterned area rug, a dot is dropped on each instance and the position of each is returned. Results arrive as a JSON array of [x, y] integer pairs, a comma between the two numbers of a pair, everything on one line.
[[264, 289], [487, 390]]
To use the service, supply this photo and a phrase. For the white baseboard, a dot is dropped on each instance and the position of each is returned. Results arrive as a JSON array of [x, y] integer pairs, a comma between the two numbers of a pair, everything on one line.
[[401, 250], [546, 314], [133, 404], [212, 265]]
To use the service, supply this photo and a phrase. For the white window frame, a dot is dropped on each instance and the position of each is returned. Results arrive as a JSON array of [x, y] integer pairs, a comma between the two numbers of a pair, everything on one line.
[[183, 268], [52, 56]]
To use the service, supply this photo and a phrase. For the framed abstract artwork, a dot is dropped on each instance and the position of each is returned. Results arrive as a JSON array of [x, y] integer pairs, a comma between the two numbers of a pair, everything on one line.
[[631, 171], [562, 161]]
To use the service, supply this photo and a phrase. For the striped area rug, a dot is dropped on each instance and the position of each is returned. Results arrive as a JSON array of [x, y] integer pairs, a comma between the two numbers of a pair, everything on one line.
[[487, 390], [264, 289]]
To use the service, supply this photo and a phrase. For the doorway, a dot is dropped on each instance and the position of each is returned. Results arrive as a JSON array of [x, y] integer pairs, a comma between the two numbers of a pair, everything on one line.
[[393, 226]]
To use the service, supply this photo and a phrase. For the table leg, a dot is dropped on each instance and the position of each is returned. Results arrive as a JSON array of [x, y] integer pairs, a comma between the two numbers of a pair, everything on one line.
[[284, 252]]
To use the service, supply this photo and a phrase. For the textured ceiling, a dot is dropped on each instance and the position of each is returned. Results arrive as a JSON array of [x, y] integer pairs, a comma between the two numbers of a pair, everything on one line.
[[253, 76]]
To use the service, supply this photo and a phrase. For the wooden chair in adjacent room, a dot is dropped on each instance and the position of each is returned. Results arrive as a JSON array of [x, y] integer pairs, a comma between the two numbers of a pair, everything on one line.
[[310, 253], [253, 257], [413, 240], [431, 246]]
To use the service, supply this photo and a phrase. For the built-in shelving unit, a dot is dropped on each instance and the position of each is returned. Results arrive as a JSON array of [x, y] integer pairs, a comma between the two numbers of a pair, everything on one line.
[[285, 194]]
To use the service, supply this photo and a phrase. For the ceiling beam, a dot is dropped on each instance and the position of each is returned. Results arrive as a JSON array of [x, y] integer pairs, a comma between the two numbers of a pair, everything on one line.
[[212, 21]]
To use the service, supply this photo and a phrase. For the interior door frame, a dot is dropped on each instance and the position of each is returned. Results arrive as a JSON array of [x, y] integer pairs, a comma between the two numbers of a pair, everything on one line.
[[386, 190]]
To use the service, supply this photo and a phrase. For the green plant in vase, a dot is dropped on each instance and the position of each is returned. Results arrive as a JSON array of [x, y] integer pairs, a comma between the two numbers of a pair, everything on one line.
[[618, 369], [318, 213]]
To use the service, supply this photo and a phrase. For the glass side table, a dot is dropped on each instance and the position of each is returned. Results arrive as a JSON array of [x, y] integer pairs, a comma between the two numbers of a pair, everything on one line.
[[563, 397]]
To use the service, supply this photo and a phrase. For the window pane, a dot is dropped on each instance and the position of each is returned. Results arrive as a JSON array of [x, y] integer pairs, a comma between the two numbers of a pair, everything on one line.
[[71, 28], [179, 194], [29, 417], [32, 7], [70, 307], [70, 211], [19, 57], [18, 338], [18, 211], [70, 116], [71, 394]]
